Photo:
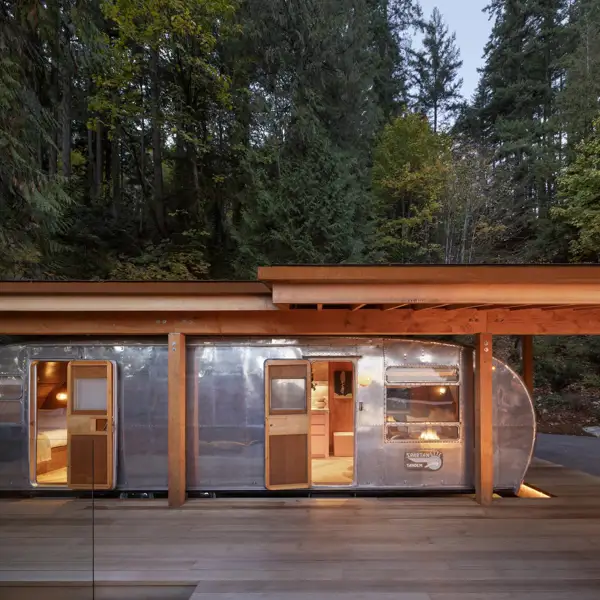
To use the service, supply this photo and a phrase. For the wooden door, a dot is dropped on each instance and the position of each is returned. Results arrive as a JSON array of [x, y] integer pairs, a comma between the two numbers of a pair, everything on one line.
[[287, 424], [91, 425]]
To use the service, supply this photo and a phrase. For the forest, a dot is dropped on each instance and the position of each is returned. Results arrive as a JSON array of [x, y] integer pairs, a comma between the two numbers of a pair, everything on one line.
[[198, 139]]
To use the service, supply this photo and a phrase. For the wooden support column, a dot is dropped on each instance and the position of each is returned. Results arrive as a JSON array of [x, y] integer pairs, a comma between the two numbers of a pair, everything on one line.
[[527, 345], [484, 430], [176, 420]]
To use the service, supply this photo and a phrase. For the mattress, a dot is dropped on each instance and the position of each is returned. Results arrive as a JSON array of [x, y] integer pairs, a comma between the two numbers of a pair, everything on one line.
[[46, 440], [52, 432]]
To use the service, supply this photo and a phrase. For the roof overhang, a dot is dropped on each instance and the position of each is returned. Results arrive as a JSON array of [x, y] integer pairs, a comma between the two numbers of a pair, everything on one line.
[[124, 296], [319, 300], [434, 286]]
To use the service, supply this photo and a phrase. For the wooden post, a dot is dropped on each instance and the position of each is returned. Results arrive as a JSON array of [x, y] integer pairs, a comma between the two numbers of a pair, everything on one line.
[[484, 430], [527, 344], [176, 429]]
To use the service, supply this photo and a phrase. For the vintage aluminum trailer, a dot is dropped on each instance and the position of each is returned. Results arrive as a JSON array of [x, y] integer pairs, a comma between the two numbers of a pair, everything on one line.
[[347, 413]]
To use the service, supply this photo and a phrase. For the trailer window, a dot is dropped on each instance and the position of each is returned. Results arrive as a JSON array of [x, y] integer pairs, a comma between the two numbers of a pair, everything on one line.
[[422, 412], [430, 374], [11, 392]]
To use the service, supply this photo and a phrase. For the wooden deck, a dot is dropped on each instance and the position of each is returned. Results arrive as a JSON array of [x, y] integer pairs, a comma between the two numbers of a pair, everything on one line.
[[311, 549]]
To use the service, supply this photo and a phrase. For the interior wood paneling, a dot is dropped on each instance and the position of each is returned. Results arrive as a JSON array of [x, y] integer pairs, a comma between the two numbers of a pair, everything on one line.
[[341, 410]]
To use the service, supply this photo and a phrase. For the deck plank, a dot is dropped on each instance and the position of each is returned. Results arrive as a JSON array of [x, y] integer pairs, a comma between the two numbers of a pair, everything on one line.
[[316, 548]]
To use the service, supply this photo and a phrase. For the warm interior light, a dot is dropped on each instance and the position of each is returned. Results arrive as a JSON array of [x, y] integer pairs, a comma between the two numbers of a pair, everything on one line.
[[528, 492], [364, 380], [429, 436], [442, 391], [61, 396]]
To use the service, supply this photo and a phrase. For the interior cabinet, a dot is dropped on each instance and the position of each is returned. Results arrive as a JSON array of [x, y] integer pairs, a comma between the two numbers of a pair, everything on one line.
[[319, 434]]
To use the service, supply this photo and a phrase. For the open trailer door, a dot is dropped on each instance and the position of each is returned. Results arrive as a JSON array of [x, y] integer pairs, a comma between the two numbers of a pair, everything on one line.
[[287, 424], [91, 425]]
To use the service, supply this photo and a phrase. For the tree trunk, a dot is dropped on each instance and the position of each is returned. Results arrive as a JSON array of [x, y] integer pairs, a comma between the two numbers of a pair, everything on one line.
[[115, 170], [66, 126], [67, 91], [98, 171], [157, 141], [55, 93], [90, 151]]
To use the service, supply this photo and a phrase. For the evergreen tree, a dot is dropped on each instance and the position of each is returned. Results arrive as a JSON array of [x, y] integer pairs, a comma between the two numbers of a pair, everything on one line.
[[580, 199], [580, 96], [410, 176], [435, 71], [518, 111], [311, 142]]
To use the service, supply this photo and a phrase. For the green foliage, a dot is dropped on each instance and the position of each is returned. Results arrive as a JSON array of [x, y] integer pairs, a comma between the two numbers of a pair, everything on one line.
[[410, 173], [435, 71], [313, 210], [32, 200], [579, 189], [166, 260]]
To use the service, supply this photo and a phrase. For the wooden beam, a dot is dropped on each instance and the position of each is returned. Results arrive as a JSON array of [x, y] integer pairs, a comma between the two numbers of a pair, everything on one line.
[[292, 322], [140, 288], [176, 427], [527, 346], [387, 307], [432, 293], [430, 307], [132, 302], [438, 274], [484, 429], [565, 321]]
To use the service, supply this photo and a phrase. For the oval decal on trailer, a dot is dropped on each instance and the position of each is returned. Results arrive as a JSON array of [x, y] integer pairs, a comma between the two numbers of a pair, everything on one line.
[[423, 461]]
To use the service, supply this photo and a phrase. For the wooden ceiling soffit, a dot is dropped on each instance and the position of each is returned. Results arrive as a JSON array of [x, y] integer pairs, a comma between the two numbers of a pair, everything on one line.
[[469, 293], [286, 323], [133, 303]]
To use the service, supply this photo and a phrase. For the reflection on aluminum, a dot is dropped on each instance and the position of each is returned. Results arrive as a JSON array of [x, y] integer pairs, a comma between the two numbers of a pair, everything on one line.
[[226, 411], [11, 388]]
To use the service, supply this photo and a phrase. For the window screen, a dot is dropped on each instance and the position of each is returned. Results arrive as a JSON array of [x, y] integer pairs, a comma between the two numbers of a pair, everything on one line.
[[90, 394], [422, 404], [288, 394]]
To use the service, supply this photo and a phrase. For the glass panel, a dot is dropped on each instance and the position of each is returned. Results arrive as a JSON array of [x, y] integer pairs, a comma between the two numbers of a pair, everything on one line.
[[422, 404], [421, 433], [11, 388], [90, 394], [10, 412], [422, 374], [288, 394]]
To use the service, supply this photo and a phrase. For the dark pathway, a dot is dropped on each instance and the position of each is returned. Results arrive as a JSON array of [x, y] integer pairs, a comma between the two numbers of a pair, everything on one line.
[[571, 451]]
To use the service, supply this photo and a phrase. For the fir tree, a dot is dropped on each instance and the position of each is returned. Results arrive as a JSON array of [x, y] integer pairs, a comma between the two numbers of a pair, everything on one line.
[[435, 78]]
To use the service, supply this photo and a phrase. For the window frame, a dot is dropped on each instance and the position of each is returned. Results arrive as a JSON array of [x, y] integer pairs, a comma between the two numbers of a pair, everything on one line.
[[457, 384]]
